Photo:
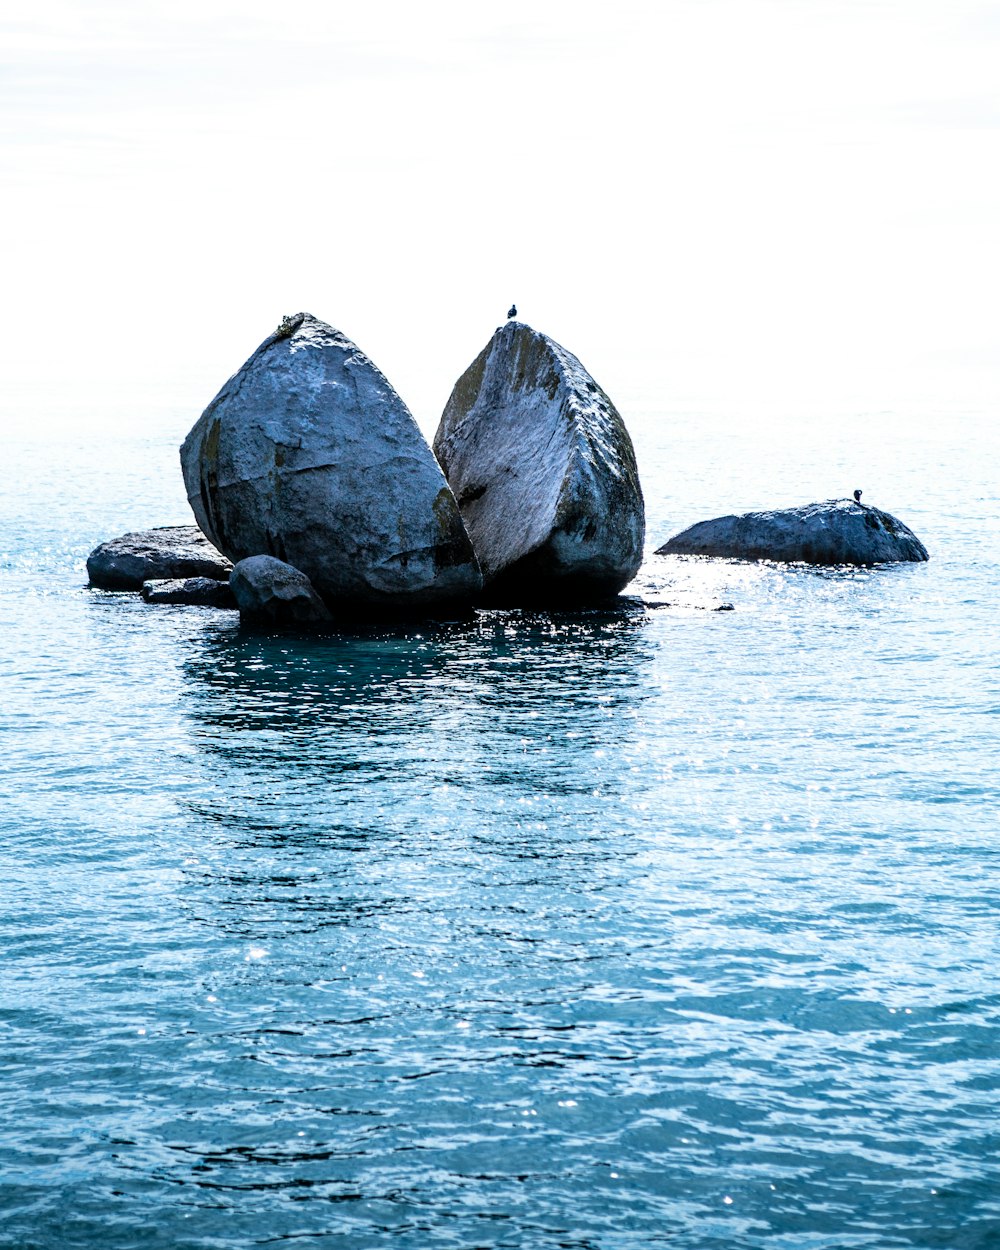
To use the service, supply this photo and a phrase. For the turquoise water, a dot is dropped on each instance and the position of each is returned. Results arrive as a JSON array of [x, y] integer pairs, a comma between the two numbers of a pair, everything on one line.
[[656, 926]]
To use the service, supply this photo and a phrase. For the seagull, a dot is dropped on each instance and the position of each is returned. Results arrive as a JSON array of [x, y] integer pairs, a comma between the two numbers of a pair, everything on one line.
[[513, 312], [857, 496]]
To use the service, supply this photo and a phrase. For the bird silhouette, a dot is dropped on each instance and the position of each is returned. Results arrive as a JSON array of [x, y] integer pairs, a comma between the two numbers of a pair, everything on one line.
[[513, 312], [857, 496]]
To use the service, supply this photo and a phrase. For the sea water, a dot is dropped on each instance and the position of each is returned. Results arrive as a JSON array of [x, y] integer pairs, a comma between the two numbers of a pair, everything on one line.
[[658, 925]]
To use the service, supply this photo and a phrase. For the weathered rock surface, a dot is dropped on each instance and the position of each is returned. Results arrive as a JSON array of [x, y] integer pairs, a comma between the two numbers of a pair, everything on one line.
[[167, 552], [544, 472], [269, 591], [200, 592], [838, 531], [309, 455]]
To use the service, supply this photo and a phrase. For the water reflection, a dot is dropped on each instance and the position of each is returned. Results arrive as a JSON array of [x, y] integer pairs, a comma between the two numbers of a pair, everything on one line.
[[381, 779], [371, 707], [330, 671]]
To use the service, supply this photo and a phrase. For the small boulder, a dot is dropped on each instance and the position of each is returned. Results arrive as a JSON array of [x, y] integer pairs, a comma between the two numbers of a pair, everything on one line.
[[838, 531], [269, 591], [200, 592], [544, 473], [169, 551], [307, 454]]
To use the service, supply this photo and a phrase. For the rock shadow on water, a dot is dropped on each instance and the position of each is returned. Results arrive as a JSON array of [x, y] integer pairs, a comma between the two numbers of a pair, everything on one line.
[[350, 735], [346, 677], [369, 780]]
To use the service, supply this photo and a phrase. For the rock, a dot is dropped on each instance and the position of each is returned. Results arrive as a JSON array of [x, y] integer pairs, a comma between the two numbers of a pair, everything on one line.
[[166, 552], [273, 592], [309, 455], [838, 531], [544, 473], [201, 592]]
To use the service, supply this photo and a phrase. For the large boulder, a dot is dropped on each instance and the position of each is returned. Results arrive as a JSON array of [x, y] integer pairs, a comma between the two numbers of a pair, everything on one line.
[[838, 531], [166, 552], [269, 591], [309, 455], [544, 472], [199, 592]]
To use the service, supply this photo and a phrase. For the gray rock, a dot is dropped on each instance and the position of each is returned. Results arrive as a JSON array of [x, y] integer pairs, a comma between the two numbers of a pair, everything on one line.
[[838, 531], [200, 592], [272, 592], [544, 472], [167, 552], [309, 455]]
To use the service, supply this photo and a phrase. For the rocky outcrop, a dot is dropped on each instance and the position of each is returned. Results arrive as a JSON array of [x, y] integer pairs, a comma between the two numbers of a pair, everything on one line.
[[199, 592], [167, 552], [309, 455], [271, 592], [544, 473], [838, 531]]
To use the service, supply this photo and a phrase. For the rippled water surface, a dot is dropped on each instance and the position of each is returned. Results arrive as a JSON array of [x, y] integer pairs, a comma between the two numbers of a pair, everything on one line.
[[654, 926]]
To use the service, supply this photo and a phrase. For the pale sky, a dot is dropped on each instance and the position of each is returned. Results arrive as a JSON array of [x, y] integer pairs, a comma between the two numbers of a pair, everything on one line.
[[772, 203]]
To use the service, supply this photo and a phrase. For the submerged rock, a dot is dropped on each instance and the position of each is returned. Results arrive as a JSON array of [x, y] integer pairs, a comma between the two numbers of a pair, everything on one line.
[[272, 592], [166, 552], [544, 473], [838, 531], [309, 455], [200, 592]]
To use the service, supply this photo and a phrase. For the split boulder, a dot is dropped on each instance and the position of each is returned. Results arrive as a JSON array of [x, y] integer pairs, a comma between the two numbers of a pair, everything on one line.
[[307, 454], [544, 473], [837, 531]]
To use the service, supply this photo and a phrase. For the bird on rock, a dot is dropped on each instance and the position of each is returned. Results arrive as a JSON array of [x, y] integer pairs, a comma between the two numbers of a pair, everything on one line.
[[857, 496], [513, 312]]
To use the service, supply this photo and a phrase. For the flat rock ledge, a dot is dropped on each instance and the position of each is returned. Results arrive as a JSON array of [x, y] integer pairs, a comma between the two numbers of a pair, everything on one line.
[[199, 592], [270, 592], [837, 531], [170, 551], [544, 473]]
